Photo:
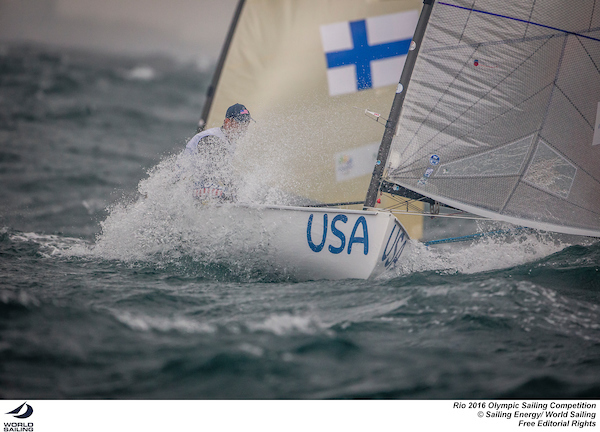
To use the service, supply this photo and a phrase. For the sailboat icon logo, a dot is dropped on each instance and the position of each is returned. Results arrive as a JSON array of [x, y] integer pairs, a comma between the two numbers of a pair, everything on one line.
[[25, 415]]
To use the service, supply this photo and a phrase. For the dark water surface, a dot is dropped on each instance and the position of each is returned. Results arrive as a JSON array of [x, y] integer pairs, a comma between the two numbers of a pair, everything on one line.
[[136, 313]]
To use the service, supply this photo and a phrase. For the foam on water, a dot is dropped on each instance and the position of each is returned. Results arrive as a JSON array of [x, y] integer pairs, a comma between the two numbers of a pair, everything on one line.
[[485, 254]]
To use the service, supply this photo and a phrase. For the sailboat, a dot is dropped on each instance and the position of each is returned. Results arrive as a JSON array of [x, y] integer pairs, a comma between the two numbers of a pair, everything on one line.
[[307, 70], [495, 115]]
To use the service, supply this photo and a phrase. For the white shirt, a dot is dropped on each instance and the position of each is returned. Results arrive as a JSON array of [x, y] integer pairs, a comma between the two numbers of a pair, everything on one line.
[[192, 145]]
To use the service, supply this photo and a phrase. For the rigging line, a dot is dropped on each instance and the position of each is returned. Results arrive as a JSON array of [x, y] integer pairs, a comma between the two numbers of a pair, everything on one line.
[[473, 236], [336, 204], [399, 205], [416, 210], [520, 20], [441, 215], [402, 200], [411, 203]]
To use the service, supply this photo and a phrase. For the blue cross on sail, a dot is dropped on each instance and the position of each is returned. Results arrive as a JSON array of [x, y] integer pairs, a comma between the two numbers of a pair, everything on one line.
[[367, 53]]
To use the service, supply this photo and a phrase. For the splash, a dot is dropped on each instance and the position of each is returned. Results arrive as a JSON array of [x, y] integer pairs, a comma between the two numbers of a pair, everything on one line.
[[481, 255], [165, 225]]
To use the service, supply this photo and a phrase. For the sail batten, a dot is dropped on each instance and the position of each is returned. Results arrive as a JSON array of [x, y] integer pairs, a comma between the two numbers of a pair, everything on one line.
[[502, 116]]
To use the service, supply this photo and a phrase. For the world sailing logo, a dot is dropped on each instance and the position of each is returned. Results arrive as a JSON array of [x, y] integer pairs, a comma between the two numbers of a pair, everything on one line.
[[25, 415], [367, 53]]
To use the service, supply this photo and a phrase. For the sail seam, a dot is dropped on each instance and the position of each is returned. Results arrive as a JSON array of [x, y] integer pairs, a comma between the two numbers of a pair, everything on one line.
[[521, 20], [575, 106], [497, 42], [529, 19], [434, 108], [466, 22], [534, 147], [475, 103], [490, 121], [578, 167], [589, 55], [580, 207]]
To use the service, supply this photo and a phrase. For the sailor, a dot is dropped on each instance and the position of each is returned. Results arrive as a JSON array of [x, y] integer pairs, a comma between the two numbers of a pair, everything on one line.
[[214, 149]]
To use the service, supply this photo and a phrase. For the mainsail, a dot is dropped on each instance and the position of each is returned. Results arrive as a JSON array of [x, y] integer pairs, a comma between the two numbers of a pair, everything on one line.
[[502, 114], [307, 70]]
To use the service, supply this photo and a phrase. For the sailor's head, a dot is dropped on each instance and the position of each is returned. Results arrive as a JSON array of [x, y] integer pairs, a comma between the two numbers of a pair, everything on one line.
[[237, 117], [239, 113]]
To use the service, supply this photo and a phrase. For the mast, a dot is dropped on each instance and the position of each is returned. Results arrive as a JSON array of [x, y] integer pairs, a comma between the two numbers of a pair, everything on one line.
[[210, 93], [390, 126]]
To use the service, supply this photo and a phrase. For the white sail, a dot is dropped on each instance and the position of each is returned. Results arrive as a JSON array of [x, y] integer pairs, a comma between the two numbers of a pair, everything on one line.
[[307, 70], [501, 113]]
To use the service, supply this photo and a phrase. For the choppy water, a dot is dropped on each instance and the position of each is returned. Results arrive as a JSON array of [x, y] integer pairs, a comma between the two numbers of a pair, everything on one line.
[[104, 297]]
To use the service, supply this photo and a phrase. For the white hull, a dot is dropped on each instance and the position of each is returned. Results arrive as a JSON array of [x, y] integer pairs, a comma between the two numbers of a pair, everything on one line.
[[311, 243]]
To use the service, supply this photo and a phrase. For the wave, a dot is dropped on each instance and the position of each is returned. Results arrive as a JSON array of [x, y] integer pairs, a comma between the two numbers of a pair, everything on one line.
[[500, 303], [141, 73], [276, 324], [486, 253], [16, 243]]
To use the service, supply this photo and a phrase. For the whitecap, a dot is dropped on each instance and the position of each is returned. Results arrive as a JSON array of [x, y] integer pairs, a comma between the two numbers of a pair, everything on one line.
[[141, 73], [283, 324], [142, 322]]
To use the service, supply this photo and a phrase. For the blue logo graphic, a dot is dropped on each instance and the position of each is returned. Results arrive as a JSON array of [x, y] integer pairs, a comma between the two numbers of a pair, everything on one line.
[[434, 159], [26, 414], [392, 251], [362, 54]]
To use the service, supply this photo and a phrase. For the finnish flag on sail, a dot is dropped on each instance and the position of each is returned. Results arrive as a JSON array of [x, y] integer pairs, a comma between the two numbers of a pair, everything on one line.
[[367, 53]]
